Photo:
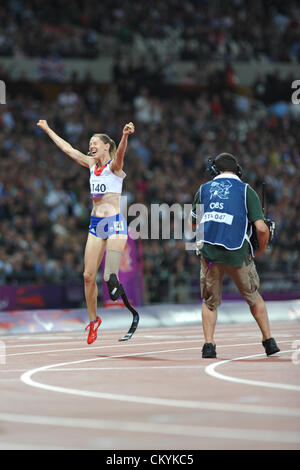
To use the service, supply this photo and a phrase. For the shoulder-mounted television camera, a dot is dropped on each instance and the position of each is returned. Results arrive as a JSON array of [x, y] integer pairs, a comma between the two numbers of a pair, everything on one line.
[[270, 224]]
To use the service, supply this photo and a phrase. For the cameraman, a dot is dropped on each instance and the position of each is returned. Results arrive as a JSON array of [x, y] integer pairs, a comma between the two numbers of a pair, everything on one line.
[[229, 206]]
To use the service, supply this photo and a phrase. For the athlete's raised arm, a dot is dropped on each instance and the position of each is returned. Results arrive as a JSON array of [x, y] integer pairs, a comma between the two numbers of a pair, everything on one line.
[[67, 148], [117, 163]]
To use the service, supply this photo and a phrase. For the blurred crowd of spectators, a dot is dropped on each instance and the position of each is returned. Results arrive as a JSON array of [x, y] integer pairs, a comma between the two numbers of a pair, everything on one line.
[[44, 195], [192, 29]]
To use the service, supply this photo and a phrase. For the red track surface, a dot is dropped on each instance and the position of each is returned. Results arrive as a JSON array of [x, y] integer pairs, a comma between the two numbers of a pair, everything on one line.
[[152, 392]]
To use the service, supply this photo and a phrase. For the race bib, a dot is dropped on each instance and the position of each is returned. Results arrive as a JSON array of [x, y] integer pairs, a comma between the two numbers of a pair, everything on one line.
[[97, 188], [214, 216]]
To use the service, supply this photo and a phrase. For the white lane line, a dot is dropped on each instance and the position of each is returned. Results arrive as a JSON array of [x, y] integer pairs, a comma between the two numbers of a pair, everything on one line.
[[238, 331], [98, 369], [92, 348], [36, 345], [210, 370], [240, 408], [242, 434], [82, 341], [128, 345], [135, 368]]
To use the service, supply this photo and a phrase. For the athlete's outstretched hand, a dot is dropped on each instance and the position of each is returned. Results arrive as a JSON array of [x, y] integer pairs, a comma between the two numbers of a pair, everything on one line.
[[128, 128], [43, 125]]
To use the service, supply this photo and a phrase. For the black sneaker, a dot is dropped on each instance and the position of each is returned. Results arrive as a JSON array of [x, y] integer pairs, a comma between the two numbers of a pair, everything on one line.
[[270, 346], [209, 350]]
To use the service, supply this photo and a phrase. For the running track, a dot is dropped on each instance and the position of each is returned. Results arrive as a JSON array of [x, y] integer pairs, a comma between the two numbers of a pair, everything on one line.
[[152, 392]]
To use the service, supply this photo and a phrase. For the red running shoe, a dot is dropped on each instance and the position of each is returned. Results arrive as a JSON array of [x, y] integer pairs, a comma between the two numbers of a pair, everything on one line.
[[93, 326]]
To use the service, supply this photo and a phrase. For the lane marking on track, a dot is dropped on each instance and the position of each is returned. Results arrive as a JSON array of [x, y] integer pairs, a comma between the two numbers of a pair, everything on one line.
[[80, 341], [161, 428], [236, 330], [110, 346], [210, 370], [27, 379], [128, 345]]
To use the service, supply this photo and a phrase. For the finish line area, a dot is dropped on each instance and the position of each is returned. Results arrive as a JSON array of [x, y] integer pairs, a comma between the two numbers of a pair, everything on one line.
[[154, 391]]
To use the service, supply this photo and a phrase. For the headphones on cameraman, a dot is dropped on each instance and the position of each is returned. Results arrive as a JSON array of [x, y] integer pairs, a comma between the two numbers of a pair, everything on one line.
[[214, 170]]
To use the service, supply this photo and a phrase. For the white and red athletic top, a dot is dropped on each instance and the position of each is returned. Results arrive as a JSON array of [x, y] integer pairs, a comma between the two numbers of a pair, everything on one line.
[[103, 180]]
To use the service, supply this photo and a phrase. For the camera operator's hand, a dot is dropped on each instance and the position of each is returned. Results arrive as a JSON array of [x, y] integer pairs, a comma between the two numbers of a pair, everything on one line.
[[263, 235]]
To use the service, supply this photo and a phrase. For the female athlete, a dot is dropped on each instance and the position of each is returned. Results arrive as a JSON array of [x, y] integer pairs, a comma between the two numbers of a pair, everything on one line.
[[108, 228]]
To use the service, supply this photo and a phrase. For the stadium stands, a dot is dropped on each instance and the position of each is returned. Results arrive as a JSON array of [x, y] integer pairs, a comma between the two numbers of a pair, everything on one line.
[[44, 196]]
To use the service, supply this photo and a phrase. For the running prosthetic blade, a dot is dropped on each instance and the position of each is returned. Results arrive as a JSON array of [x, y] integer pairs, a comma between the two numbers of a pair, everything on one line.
[[116, 290], [135, 321]]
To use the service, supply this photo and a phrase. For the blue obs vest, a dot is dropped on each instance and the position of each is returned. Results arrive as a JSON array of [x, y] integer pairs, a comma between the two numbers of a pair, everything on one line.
[[224, 218]]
